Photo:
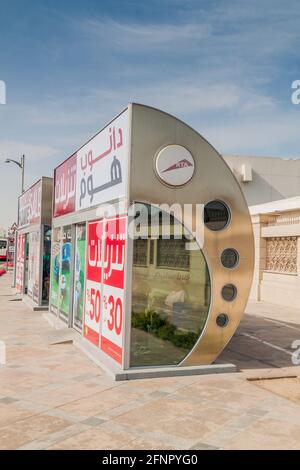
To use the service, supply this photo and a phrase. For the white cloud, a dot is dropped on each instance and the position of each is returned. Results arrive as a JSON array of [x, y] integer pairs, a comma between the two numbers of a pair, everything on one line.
[[131, 36], [210, 66], [265, 134], [14, 149]]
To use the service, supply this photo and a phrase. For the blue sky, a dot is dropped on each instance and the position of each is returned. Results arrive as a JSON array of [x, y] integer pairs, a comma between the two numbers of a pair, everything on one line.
[[225, 67]]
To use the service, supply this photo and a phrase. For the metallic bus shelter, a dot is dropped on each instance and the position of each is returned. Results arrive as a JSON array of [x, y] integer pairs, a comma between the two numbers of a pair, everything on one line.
[[145, 285], [33, 245]]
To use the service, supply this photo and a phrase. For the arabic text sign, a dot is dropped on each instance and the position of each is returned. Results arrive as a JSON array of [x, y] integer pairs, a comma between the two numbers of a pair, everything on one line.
[[102, 165], [65, 187], [20, 263], [113, 288], [30, 205], [93, 282]]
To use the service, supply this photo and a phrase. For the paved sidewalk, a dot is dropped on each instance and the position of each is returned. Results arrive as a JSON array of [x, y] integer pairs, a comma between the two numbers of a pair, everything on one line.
[[54, 397]]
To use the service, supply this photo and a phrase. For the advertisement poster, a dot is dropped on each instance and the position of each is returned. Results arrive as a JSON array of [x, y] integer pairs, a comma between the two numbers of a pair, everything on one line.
[[65, 187], [20, 263], [102, 165], [46, 257], [30, 205], [33, 266], [113, 287], [93, 282], [65, 273], [79, 275], [55, 269]]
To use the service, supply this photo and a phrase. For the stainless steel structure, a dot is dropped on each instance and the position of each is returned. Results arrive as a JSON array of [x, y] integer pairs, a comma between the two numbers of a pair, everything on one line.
[[152, 130], [42, 221], [149, 132]]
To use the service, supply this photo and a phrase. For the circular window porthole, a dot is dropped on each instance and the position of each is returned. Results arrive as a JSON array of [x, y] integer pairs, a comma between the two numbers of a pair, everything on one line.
[[216, 215], [222, 320], [229, 258], [229, 292]]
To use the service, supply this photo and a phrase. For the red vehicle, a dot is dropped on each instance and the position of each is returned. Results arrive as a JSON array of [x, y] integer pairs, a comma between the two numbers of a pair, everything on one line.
[[3, 249]]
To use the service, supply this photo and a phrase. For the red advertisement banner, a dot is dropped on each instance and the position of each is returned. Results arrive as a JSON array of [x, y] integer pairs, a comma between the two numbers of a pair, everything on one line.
[[30, 205], [93, 282], [65, 187], [104, 293], [112, 322]]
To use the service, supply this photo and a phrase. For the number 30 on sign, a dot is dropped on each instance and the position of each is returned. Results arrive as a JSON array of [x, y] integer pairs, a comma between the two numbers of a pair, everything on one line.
[[112, 322]]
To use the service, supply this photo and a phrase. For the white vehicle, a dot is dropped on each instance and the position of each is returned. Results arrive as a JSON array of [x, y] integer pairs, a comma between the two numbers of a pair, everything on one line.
[[3, 249]]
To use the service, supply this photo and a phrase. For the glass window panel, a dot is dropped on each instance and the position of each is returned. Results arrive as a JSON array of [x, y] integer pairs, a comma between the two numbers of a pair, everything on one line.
[[229, 292], [65, 273], [46, 264], [172, 254], [79, 275], [55, 270], [216, 215], [140, 252], [170, 299], [229, 258]]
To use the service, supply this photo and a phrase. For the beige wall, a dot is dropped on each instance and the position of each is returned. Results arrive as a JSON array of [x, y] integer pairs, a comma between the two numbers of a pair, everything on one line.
[[272, 178]]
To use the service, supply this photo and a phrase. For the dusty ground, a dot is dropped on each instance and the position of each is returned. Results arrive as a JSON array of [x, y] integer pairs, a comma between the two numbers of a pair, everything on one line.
[[54, 397]]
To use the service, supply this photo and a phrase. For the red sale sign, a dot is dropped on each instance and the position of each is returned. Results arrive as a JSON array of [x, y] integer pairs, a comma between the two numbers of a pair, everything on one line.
[[104, 292], [65, 187], [93, 282], [20, 263], [113, 287]]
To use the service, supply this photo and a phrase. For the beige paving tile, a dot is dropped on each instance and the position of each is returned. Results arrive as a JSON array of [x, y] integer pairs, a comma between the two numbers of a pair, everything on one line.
[[66, 402], [26, 430], [95, 439], [9, 414], [98, 403], [267, 434]]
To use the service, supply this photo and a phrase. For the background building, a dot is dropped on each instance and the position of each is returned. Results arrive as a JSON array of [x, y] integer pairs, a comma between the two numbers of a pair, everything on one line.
[[276, 227], [272, 189], [265, 179]]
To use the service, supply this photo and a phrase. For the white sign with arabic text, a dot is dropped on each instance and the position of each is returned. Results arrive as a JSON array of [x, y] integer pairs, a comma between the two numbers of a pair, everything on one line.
[[102, 165]]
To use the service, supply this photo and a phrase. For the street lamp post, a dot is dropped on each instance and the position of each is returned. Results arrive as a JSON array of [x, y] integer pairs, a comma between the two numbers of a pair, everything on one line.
[[21, 165]]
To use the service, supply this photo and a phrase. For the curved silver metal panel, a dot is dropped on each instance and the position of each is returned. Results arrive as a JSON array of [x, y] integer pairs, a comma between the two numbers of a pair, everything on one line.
[[152, 130]]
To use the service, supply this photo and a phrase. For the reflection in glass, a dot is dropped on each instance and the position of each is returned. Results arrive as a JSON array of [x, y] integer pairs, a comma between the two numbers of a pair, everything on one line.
[[229, 292], [222, 320], [216, 215], [229, 258], [55, 270], [65, 273], [170, 296], [79, 275]]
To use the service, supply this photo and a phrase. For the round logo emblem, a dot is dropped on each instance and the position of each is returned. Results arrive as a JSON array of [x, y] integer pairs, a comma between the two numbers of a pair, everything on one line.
[[175, 165]]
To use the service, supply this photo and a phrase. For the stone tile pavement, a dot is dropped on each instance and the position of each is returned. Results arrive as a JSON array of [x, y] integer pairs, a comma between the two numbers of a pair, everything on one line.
[[54, 397]]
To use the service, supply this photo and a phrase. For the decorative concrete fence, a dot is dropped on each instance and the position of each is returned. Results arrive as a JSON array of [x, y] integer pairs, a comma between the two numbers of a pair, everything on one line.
[[276, 228]]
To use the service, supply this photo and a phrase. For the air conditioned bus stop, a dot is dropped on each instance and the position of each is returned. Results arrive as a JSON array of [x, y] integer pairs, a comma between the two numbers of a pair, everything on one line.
[[142, 302], [33, 245]]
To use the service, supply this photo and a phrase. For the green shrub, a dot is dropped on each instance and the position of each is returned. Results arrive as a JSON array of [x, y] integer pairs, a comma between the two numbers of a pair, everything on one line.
[[151, 322]]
